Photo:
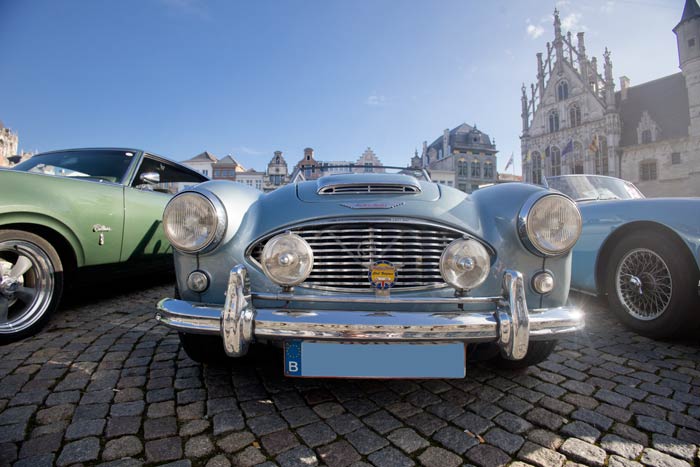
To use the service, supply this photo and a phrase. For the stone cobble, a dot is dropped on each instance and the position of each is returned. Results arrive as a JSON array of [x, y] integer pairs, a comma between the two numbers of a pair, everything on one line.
[[104, 384]]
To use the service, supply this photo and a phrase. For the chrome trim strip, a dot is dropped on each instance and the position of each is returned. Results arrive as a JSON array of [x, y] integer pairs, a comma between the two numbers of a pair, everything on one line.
[[393, 299]]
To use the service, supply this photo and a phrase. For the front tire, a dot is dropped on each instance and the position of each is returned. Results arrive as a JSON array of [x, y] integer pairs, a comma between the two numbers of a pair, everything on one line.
[[537, 352], [650, 285], [31, 283]]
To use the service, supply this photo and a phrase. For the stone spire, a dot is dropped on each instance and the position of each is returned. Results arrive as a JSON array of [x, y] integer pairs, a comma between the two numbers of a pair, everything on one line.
[[524, 114]]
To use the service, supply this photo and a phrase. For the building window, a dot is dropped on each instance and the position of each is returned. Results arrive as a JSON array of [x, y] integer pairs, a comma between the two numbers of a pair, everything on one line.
[[536, 168], [555, 161], [258, 184], [553, 121], [562, 90], [462, 168], [576, 158], [675, 158], [600, 154], [205, 172], [647, 171], [217, 173], [575, 115], [449, 183], [691, 42], [476, 169], [474, 187], [488, 169], [463, 187], [646, 136]]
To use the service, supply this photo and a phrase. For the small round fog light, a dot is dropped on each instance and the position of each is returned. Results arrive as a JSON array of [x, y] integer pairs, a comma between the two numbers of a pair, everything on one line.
[[543, 282], [197, 281]]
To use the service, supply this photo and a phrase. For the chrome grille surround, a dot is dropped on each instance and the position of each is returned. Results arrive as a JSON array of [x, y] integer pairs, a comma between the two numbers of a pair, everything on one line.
[[369, 189], [344, 249]]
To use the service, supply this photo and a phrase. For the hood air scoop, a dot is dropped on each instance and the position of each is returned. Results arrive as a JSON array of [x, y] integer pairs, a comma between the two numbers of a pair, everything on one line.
[[369, 184]]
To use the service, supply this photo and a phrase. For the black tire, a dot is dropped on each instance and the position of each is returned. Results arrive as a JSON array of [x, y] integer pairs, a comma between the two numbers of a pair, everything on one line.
[[204, 349], [537, 352], [39, 287], [667, 278]]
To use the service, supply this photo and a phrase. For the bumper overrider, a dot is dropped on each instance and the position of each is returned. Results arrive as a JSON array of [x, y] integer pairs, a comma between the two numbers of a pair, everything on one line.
[[510, 324]]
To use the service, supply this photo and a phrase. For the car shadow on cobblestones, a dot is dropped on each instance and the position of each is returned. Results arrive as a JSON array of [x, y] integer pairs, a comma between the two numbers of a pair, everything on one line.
[[104, 384]]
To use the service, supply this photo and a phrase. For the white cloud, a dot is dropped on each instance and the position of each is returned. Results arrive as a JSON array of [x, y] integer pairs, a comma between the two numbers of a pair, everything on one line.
[[572, 22], [608, 7], [246, 150], [376, 100], [534, 31]]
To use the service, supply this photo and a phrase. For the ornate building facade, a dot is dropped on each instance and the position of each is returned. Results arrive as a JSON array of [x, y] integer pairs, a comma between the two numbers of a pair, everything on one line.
[[574, 122], [463, 157], [9, 142]]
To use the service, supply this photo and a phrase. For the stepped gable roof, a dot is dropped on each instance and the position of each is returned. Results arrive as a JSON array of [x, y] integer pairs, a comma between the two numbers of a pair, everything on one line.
[[666, 101], [205, 156]]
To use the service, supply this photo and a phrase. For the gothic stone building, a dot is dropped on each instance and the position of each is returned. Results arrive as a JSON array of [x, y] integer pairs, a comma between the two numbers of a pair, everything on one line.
[[8, 145], [463, 157], [574, 121]]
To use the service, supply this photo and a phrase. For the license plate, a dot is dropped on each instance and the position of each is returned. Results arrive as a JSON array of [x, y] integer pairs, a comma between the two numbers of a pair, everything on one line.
[[374, 360]]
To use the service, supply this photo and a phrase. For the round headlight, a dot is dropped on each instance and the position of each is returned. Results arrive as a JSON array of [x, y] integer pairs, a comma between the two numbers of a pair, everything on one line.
[[465, 264], [553, 224], [287, 259], [192, 222]]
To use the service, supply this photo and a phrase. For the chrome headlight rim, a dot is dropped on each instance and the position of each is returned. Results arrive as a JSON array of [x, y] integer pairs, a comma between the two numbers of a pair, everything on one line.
[[443, 263], [219, 230], [307, 250], [524, 228]]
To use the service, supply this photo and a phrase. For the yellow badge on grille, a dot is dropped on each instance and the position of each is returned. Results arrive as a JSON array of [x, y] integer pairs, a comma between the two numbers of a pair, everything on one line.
[[382, 275]]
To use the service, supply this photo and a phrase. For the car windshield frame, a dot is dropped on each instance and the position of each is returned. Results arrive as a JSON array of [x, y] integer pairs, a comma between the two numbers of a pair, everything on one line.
[[333, 169], [82, 164], [587, 187]]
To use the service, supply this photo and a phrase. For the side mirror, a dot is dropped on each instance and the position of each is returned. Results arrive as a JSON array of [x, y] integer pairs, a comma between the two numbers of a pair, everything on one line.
[[150, 178]]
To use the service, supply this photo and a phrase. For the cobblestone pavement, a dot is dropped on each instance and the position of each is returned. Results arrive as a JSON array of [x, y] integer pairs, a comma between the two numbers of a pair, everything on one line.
[[105, 384]]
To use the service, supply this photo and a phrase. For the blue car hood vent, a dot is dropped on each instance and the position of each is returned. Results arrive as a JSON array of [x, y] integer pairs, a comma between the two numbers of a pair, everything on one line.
[[370, 184]]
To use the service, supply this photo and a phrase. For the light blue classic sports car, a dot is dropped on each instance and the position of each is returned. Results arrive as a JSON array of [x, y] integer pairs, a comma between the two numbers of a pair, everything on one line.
[[643, 254], [372, 274]]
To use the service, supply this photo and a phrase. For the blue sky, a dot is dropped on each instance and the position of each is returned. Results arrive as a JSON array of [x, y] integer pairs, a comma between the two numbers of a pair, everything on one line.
[[178, 77]]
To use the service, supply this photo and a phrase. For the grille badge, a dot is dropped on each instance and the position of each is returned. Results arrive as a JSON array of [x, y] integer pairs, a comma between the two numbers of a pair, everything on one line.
[[382, 275]]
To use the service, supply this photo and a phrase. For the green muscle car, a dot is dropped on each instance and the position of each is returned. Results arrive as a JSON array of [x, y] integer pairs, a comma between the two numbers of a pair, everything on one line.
[[65, 210]]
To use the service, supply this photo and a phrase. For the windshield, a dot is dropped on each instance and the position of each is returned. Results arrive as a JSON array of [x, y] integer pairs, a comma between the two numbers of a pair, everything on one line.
[[594, 187], [100, 165]]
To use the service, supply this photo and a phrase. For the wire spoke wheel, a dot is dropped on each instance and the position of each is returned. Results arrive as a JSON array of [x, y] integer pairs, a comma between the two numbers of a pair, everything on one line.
[[26, 285], [644, 284]]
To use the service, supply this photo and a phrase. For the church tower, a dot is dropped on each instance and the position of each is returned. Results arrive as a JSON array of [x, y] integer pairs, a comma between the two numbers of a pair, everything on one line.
[[688, 40]]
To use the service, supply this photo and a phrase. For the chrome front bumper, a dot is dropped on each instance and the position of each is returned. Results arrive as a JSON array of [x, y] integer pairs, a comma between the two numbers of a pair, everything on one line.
[[510, 324]]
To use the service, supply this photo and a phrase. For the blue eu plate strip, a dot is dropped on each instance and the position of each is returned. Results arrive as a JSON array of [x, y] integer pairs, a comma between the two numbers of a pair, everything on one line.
[[374, 360]]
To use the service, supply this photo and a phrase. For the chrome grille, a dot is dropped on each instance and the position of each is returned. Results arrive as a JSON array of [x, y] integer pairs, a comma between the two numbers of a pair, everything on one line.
[[374, 189], [344, 251]]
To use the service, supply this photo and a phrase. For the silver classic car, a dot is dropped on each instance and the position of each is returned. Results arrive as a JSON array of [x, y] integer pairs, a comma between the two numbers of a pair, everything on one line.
[[373, 275]]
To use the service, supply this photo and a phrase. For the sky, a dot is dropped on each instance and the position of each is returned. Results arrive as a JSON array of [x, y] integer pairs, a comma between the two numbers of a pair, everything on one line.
[[178, 77]]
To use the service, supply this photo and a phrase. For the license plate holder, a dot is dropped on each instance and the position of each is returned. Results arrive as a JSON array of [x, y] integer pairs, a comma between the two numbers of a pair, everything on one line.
[[322, 359]]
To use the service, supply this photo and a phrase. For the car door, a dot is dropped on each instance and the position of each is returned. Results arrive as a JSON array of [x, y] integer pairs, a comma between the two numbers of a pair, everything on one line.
[[155, 182]]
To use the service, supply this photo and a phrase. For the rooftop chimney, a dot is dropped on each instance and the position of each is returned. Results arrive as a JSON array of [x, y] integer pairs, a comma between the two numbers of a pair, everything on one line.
[[308, 153]]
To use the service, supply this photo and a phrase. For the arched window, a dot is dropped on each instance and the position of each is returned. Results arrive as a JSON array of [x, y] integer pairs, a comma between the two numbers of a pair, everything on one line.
[[554, 161], [576, 159], [488, 169], [601, 155], [476, 169], [646, 136], [575, 115], [536, 168], [553, 121], [562, 90]]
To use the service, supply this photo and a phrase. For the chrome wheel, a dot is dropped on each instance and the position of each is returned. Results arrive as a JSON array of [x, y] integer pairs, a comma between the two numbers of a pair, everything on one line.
[[644, 285], [26, 285]]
